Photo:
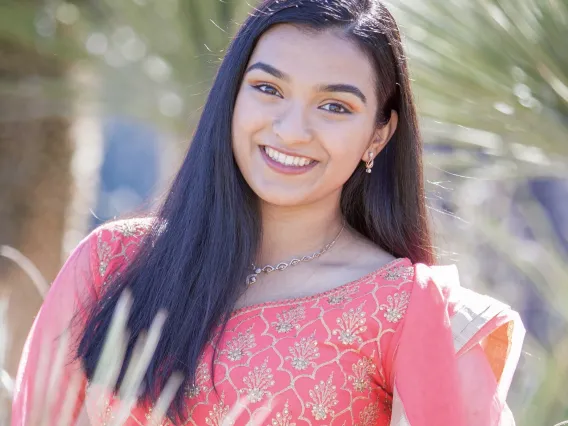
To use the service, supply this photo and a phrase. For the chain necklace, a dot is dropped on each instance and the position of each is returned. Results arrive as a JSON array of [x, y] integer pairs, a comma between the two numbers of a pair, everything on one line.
[[251, 279]]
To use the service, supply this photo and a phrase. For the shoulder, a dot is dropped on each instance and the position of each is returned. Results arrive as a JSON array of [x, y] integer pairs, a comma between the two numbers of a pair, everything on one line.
[[114, 244]]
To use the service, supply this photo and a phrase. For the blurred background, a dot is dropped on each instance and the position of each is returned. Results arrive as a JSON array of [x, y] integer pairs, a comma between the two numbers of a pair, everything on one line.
[[99, 99]]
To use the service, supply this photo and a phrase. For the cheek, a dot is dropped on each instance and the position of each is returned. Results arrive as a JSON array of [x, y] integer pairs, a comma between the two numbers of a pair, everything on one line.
[[247, 120], [346, 143]]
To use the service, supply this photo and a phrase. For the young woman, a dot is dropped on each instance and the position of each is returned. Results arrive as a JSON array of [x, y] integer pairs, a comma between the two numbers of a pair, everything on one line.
[[307, 165]]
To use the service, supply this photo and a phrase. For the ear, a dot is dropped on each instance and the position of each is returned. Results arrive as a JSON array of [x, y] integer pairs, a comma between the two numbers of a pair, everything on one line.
[[381, 136]]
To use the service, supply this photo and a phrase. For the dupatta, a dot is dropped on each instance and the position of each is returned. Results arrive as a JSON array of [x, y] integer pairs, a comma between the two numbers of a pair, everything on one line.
[[456, 354]]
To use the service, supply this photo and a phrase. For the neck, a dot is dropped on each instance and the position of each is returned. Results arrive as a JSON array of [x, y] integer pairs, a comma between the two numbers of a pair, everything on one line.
[[289, 232]]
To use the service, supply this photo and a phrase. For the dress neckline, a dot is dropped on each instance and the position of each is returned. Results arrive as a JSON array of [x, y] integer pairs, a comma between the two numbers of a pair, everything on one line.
[[302, 299]]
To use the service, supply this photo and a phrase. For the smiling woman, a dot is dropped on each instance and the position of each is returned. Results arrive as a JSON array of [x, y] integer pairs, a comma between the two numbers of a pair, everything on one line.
[[324, 111], [292, 253]]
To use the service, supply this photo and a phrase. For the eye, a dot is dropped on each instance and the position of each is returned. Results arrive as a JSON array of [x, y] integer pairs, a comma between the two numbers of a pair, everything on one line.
[[268, 89], [336, 108]]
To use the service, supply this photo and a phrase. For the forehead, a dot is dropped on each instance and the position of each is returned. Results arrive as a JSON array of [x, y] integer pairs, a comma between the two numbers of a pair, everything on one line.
[[314, 56]]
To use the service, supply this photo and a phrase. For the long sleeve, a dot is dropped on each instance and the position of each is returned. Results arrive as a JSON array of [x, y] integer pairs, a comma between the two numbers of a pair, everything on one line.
[[455, 355], [60, 318]]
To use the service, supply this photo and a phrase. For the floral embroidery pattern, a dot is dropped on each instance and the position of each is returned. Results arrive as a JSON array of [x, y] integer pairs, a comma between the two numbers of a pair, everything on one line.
[[257, 382], [130, 228], [118, 246], [369, 415], [288, 319], [347, 316], [283, 418], [362, 370], [324, 397], [398, 272], [304, 352], [395, 307], [151, 422], [342, 295], [350, 325], [201, 377], [239, 345], [218, 415], [104, 252]]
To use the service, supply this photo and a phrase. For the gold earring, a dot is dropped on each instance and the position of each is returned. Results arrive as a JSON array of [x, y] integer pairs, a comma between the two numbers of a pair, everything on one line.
[[370, 163]]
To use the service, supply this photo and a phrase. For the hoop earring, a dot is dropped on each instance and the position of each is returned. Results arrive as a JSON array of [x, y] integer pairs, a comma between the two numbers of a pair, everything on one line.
[[369, 163]]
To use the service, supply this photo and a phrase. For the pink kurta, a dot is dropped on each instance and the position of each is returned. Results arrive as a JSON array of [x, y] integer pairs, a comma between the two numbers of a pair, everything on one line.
[[382, 350]]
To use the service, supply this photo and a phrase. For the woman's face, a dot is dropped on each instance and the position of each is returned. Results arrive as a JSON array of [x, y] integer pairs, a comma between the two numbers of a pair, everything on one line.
[[304, 116]]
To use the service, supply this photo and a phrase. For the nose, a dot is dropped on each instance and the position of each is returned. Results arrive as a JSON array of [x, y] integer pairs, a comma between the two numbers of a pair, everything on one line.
[[291, 125]]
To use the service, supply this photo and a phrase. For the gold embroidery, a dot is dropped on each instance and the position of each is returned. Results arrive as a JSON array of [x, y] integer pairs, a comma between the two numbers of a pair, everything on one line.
[[257, 382], [362, 370], [118, 230], [104, 253], [108, 415], [218, 416], [132, 228], [296, 356], [288, 319], [239, 345], [396, 307], [342, 295], [201, 377], [369, 415], [323, 397], [151, 422], [350, 325], [283, 418], [304, 352], [398, 272]]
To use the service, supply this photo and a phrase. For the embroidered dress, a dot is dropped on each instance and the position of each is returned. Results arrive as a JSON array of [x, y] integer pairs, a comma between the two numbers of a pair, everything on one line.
[[381, 350]]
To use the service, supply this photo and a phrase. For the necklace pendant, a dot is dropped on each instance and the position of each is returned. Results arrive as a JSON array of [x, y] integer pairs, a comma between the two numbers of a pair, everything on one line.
[[251, 279]]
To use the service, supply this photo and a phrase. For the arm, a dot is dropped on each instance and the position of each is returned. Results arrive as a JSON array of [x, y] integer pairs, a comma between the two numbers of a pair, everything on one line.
[[49, 378], [454, 355]]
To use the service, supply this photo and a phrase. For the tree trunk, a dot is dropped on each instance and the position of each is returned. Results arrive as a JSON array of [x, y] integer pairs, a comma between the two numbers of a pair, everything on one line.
[[35, 183]]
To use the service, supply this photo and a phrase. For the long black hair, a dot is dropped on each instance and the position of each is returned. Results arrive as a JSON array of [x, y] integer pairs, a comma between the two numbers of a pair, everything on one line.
[[195, 259]]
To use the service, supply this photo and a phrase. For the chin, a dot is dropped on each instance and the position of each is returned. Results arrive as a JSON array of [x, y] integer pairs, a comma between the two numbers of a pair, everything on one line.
[[283, 199]]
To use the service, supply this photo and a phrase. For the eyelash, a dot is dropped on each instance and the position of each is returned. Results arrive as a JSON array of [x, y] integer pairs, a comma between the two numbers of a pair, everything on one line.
[[258, 87]]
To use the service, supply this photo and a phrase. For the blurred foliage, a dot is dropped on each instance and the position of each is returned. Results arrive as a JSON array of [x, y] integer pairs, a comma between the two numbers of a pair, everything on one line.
[[149, 59], [491, 78], [496, 65]]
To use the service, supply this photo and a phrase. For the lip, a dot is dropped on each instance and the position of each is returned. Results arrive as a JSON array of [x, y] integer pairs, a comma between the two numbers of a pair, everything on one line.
[[284, 169]]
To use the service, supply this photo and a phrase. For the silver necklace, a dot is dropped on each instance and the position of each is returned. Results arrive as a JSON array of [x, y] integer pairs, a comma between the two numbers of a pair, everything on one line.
[[251, 279]]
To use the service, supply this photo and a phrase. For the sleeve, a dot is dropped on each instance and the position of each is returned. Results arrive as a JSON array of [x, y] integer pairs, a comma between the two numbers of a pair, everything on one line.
[[455, 354], [488, 337], [50, 384]]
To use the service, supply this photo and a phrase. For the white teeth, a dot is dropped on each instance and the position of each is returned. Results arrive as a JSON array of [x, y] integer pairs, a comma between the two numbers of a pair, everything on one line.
[[287, 160]]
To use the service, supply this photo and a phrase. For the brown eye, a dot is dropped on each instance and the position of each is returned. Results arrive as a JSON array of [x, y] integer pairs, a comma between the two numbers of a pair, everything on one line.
[[268, 89], [336, 108]]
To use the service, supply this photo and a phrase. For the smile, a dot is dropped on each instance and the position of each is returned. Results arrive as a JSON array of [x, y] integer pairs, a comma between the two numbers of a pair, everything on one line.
[[286, 164], [287, 160]]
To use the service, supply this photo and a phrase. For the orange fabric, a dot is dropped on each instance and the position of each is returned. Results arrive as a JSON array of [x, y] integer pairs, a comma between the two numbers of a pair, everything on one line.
[[334, 358]]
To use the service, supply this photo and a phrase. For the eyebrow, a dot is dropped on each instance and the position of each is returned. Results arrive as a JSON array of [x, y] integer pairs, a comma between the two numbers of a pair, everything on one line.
[[346, 88]]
